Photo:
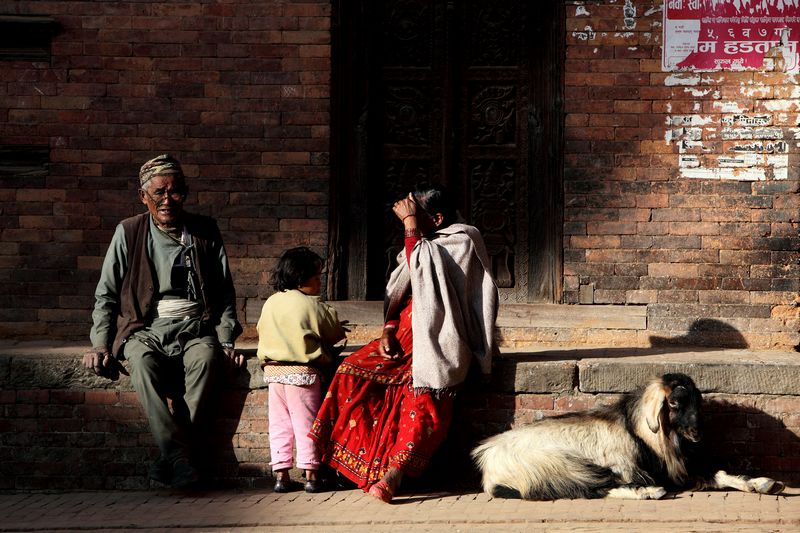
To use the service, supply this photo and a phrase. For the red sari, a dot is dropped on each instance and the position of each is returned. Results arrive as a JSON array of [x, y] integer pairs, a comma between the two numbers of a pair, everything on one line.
[[371, 419]]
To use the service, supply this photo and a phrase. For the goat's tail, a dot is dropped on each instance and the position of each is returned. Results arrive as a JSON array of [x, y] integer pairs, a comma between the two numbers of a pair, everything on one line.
[[536, 474]]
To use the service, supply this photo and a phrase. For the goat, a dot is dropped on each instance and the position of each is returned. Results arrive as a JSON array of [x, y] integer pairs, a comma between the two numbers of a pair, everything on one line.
[[631, 449]]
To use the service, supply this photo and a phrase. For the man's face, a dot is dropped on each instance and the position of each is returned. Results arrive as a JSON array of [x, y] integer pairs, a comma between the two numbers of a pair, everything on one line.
[[164, 196]]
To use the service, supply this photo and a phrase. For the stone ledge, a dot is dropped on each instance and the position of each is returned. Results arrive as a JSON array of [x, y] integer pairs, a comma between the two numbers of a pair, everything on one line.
[[731, 371], [370, 313], [531, 370], [517, 324]]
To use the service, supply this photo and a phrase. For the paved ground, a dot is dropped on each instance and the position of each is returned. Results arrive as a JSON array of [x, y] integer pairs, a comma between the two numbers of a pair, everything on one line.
[[352, 511]]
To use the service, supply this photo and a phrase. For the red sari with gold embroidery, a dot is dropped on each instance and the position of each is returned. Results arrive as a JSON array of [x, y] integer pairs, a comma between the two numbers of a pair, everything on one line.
[[372, 420]]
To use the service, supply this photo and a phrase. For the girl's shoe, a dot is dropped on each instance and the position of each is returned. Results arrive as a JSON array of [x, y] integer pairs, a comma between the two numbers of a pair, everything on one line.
[[285, 485], [313, 485]]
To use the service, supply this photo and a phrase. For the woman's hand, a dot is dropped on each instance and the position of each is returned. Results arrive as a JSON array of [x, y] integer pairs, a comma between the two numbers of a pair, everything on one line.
[[406, 210], [390, 346]]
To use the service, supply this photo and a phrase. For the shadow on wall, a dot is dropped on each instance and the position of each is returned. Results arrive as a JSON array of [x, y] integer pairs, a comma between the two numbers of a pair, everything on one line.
[[223, 466], [742, 439], [705, 332]]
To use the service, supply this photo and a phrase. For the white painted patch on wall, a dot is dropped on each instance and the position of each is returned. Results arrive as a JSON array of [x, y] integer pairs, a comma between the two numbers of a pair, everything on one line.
[[762, 147], [740, 160], [697, 92], [713, 81], [747, 120], [763, 91], [729, 107], [629, 15], [581, 11], [588, 34], [785, 105], [768, 133], [653, 10], [734, 174], [690, 120], [682, 79], [688, 161]]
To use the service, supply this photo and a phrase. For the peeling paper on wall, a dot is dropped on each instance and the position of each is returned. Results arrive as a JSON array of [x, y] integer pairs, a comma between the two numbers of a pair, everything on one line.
[[709, 35], [757, 153]]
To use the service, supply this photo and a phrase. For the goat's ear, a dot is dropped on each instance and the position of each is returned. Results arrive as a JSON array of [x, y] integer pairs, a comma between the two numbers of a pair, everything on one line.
[[654, 399]]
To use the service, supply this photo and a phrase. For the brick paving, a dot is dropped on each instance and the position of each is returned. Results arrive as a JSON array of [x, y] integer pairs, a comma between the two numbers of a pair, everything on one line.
[[353, 511]]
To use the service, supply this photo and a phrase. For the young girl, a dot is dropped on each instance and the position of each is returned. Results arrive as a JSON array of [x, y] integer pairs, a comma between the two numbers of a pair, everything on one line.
[[296, 332]]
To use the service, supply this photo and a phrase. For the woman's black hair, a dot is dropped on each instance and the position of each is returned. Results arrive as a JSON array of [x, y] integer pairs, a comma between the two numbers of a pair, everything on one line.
[[295, 266], [435, 199]]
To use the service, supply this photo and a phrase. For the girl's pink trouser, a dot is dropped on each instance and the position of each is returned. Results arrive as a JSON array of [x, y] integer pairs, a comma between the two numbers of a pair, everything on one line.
[[292, 409]]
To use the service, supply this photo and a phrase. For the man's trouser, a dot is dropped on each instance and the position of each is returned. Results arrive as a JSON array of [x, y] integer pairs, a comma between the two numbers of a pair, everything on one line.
[[166, 361]]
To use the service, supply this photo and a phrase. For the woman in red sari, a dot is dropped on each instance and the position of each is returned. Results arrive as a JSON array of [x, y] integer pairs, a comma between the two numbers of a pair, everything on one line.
[[390, 404]]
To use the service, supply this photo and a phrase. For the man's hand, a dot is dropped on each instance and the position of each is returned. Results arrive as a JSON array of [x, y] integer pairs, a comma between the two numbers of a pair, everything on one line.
[[235, 360], [390, 346], [99, 361]]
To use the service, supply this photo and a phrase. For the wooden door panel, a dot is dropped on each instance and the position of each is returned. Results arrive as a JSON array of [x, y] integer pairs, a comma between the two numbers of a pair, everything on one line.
[[444, 92]]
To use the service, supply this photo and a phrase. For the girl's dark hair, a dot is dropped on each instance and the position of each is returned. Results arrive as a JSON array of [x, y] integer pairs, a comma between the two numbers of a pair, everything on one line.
[[295, 266], [435, 199]]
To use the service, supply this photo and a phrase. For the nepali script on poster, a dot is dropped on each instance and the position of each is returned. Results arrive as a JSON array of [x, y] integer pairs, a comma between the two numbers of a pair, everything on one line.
[[713, 35]]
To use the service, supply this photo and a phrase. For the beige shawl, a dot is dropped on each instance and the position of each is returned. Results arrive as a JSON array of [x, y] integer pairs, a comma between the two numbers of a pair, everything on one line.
[[454, 306]]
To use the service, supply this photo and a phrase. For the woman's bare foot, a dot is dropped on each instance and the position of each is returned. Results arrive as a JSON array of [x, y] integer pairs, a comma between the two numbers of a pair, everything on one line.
[[385, 488]]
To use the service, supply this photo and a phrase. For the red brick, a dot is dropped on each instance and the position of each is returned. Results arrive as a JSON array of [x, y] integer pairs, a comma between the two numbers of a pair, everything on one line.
[[101, 397], [33, 396], [67, 397]]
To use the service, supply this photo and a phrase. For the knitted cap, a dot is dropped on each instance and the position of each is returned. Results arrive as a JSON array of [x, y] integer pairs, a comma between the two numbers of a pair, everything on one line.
[[163, 164]]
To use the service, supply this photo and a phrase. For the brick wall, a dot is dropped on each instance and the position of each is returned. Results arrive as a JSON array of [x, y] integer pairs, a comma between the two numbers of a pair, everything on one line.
[[56, 439], [653, 214], [83, 432], [238, 91]]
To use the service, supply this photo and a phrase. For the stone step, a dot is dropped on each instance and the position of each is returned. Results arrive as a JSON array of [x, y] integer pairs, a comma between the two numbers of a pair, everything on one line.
[[530, 369], [610, 370]]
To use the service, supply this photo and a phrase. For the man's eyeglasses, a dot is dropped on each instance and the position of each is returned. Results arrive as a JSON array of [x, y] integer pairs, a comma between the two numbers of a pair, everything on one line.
[[159, 195]]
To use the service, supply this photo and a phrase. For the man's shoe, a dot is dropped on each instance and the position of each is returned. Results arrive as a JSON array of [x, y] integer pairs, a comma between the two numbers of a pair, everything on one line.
[[161, 471], [184, 475]]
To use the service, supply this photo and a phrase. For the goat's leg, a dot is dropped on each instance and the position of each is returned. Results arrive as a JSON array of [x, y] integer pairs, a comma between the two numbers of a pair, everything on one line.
[[633, 492], [723, 480]]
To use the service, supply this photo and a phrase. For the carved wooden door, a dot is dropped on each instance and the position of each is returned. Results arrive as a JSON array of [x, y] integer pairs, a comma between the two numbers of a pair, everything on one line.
[[465, 94]]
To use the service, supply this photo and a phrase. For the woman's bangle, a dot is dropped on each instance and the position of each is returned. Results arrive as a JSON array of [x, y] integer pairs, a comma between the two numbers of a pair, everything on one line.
[[408, 215]]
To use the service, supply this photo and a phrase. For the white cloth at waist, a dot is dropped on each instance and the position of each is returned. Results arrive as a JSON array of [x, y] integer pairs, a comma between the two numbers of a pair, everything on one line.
[[178, 308]]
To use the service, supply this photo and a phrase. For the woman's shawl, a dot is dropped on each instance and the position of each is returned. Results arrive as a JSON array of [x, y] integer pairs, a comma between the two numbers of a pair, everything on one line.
[[454, 306]]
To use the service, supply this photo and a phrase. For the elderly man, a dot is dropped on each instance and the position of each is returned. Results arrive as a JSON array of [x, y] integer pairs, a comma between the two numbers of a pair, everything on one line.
[[165, 302]]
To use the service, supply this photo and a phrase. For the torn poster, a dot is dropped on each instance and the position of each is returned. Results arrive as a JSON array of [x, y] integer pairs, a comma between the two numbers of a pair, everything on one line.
[[709, 35]]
